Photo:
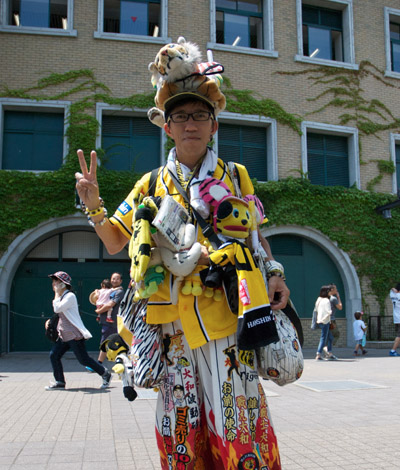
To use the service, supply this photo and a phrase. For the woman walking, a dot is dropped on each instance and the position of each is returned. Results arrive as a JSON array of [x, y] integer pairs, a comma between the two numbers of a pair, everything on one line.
[[72, 333], [324, 312]]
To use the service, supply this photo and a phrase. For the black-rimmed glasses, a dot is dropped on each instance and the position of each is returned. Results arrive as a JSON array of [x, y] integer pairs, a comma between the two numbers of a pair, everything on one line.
[[196, 116]]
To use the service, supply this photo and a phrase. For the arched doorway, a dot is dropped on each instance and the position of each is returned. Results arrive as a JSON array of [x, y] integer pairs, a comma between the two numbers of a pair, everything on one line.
[[307, 267], [66, 244], [319, 262]]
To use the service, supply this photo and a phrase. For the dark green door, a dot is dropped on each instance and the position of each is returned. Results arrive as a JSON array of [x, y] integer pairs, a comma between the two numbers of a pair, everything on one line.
[[307, 268], [32, 295]]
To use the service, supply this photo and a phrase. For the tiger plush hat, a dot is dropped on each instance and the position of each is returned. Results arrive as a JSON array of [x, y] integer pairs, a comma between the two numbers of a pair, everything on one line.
[[178, 69]]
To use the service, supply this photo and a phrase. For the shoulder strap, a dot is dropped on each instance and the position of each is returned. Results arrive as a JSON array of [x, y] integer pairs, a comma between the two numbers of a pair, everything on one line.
[[152, 181], [206, 228]]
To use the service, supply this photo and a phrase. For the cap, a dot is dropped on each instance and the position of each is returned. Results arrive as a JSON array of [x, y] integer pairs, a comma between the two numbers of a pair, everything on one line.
[[62, 276], [172, 102], [113, 342]]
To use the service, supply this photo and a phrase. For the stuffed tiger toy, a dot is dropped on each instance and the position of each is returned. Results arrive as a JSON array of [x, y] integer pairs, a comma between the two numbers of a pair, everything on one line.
[[177, 68]]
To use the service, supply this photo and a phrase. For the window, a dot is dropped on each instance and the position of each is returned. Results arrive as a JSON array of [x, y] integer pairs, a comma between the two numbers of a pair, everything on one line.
[[395, 46], [395, 158], [38, 16], [325, 32], [392, 42], [239, 23], [130, 143], [328, 160], [330, 154], [132, 20], [251, 141], [322, 33], [398, 165], [244, 26], [32, 136]]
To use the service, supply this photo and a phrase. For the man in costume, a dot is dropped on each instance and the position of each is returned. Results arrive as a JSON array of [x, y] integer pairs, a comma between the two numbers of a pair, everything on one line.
[[222, 420]]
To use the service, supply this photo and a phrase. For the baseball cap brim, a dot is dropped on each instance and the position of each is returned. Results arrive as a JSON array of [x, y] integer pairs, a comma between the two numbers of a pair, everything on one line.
[[170, 103]]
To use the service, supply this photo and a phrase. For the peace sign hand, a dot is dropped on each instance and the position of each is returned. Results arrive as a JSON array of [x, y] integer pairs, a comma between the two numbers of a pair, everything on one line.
[[86, 182]]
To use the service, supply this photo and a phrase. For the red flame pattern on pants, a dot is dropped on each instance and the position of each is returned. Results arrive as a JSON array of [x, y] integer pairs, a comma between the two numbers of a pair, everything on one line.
[[212, 412]]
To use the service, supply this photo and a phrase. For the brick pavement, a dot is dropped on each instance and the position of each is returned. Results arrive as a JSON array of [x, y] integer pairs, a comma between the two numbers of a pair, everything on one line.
[[87, 428]]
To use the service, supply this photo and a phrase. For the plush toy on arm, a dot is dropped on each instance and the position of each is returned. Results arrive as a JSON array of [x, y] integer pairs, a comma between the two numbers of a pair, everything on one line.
[[233, 222]]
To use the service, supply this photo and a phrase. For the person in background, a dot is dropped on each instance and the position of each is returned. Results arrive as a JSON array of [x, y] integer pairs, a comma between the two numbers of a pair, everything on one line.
[[101, 297], [109, 328], [395, 298], [359, 330], [72, 333], [336, 303], [324, 312]]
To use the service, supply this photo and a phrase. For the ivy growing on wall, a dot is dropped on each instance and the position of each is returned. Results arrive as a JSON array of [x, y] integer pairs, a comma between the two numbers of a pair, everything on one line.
[[347, 216], [343, 89]]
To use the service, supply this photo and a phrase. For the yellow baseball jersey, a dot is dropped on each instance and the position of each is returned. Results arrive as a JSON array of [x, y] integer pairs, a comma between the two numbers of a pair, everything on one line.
[[203, 319]]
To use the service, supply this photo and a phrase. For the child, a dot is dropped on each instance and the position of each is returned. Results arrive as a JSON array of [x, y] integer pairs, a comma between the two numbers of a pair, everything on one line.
[[103, 298], [359, 330]]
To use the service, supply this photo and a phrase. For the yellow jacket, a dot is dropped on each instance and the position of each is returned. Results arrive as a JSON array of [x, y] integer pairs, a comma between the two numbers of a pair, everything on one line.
[[203, 319]]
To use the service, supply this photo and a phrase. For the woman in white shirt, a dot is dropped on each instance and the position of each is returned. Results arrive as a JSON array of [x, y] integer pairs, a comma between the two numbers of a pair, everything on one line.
[[324, 312], [72, 333]]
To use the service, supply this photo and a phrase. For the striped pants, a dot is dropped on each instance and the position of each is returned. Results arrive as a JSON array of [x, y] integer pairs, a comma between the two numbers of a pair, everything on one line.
[[212, 412]]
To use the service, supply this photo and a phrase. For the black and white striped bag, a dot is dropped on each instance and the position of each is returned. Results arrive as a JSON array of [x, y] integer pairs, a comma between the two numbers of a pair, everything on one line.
[[146, 342]]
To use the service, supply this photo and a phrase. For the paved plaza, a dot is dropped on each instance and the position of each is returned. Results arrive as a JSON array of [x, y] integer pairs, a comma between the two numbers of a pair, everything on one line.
[[339, 415]]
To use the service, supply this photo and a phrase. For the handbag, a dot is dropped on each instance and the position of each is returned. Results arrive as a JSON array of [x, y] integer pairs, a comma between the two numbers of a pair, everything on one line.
[[364, 340], [282, 362], [145, 339], [314, 324], [51, 330]]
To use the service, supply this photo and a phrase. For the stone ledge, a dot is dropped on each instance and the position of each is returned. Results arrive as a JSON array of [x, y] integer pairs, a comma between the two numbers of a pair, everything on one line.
[[379, 344]]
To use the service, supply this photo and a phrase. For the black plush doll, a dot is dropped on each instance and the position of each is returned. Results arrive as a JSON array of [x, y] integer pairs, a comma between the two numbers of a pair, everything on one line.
[[117, 350]]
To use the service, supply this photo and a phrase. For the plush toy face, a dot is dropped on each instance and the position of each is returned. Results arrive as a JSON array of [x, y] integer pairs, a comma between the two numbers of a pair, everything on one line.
[[170, 57], [113, 353], [233, 218], [175, 60]]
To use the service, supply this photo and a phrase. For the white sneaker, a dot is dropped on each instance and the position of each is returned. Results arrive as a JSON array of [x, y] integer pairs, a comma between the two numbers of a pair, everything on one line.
[[325, 349], [106, 379]]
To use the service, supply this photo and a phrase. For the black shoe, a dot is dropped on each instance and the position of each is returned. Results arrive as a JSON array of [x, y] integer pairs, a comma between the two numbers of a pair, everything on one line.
[[55, 386]]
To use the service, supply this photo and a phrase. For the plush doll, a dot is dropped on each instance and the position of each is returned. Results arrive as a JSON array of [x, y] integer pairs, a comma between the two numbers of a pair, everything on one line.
[[117, 350], [148, 249], [233, 221], [178, 68]]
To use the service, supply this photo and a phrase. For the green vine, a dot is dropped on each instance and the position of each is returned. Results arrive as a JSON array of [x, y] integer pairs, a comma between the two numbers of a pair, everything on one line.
[[345, 215], [31, 198], [244, 102], [343, 88]]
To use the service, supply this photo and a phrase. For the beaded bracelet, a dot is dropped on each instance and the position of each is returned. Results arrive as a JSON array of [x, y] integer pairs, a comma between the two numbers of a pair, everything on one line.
[[275, 269], [102, 221], [94, 212], [276, 273]]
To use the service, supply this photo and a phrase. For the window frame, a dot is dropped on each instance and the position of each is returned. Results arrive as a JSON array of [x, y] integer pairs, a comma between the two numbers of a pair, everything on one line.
[[329, 129], [105, 108], [390, 14], [268, 33], [161, 39], [16, 104], [394, 140], [256, 121], [346, 6], [7, 28]]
